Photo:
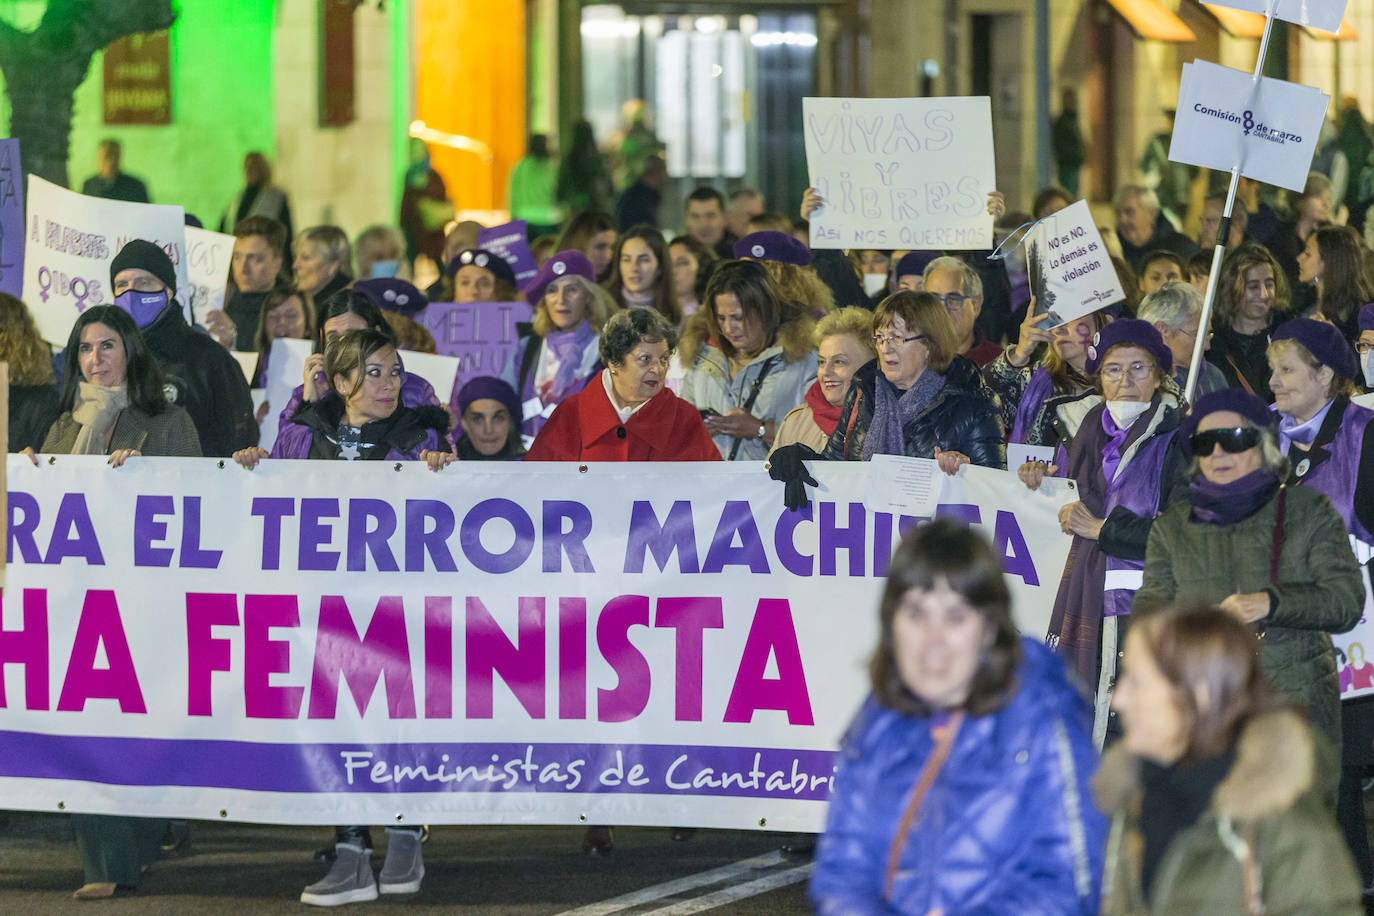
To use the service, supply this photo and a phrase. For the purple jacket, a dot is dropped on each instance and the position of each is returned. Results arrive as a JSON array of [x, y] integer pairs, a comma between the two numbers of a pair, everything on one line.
[[293, 440], [416, 430], [1038, 390], [1007, 826], [1333, 463]]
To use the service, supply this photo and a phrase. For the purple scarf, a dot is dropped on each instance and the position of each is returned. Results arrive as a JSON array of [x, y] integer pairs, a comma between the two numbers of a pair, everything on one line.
[[1228, 503], [567, 348], [1304, 433], [1111, 452], [891, 413]]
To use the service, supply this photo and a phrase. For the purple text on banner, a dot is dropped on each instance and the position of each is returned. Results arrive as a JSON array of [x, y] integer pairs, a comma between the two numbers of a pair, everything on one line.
[[511, 242], [11, 219], [481, 335]]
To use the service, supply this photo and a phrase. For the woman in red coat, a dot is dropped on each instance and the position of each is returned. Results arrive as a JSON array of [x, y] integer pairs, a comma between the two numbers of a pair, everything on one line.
[[627, 414]]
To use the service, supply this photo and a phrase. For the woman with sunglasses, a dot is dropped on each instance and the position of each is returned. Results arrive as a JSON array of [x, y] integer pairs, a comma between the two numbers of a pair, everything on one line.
[[1275, 557], [1326, 439], [1126, 464]]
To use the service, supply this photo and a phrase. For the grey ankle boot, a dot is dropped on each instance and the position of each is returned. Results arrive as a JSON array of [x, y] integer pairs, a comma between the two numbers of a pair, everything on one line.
[[349, 879], [404, 867]]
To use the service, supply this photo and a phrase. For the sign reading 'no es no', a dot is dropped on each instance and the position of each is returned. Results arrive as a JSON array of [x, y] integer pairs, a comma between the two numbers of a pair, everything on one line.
[[901, 173]]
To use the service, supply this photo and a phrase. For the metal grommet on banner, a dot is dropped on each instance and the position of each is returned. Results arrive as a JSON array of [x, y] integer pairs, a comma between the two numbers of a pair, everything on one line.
[[223, 812], [581, 469], [52, 461], [582, 818], [400, 817], [397, 466], [61, 806], [221, 465], [763, 822]]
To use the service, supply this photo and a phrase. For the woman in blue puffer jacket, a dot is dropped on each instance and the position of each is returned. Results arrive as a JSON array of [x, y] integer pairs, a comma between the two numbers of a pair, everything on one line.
[[962, 785]]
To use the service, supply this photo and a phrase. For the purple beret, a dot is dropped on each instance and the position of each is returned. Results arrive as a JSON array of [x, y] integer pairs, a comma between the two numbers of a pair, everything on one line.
[[915, 262], [570, 263], [1324, 341], [773, 246], [1235, 400], [1367, 317], [487, 260], [1131, 332], [486, 387], [392, 295]]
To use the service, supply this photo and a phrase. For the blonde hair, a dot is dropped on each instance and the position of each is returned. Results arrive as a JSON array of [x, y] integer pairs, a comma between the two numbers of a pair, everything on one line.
[[1340, 385], [21, 345], [600, 307], [801, 286], [849, 320]]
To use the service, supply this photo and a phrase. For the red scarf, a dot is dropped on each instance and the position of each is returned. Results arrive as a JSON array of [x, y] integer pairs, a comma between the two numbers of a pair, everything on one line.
[[826, 417]]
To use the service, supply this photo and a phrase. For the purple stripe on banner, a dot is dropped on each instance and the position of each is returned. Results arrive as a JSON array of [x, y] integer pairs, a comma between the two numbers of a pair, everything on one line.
[[599, 768]]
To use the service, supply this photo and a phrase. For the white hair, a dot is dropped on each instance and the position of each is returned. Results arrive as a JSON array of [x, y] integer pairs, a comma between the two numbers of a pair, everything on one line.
[[1174, 304], [972, 284], [1143, 196]]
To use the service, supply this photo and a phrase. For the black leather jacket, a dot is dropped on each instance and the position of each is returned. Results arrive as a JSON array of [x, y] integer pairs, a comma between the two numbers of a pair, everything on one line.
[[963, 417], [208, 383]]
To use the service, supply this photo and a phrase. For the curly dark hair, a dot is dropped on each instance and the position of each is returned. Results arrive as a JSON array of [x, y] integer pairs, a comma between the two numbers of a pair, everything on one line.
[[628, 328]]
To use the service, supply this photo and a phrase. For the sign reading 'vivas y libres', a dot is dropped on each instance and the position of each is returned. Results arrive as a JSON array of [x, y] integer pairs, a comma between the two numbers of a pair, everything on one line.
[[900, 173]]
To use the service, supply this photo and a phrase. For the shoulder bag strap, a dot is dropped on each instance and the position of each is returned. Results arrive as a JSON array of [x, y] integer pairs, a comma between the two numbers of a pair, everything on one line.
[[934, 763], [1277, 549], [748, 404]]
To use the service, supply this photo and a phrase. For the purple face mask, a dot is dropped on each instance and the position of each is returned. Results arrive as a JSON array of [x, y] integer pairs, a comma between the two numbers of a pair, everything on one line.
[[142, 307]]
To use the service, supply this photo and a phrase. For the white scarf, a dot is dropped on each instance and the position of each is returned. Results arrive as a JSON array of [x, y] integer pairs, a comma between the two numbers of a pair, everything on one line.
[[97, 409]]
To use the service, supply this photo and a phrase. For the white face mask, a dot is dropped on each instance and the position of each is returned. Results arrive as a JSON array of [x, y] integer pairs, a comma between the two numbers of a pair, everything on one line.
[[1124, 413], [875, 284], [1367, 364]]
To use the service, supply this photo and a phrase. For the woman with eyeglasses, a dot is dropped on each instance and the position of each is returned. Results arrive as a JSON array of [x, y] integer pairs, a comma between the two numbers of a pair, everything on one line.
[[1326, 440], [626, 413], [1276, 557], [1126, 465], [347, 310], [919, 398]]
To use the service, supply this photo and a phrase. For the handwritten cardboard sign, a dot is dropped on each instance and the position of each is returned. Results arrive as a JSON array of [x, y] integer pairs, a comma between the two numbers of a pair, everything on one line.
[[1318, 14], [481, 335], [511, 241], [1069, 266], [901, 173], [69, 244], [11, 219], [207, 270], [1268, 127]]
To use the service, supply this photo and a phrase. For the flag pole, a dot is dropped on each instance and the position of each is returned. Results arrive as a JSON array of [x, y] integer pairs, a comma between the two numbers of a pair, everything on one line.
[[1223, 233]]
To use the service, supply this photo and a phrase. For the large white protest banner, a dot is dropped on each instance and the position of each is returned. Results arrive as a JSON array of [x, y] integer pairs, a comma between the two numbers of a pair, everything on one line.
[[207, 269], [900, 173], [336, 642], [71, 240], [1318, 14], [1069, 267], [1227, 118]]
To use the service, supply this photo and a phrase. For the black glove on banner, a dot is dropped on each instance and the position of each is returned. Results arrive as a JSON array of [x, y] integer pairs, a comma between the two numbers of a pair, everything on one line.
[[785, 464]]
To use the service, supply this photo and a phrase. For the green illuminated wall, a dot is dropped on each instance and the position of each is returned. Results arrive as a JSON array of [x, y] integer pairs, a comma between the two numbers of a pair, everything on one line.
[[222, 104]]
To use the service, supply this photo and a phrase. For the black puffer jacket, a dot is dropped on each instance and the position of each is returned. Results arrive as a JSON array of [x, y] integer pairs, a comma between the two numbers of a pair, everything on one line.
[[208, 383], [962, 417]]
